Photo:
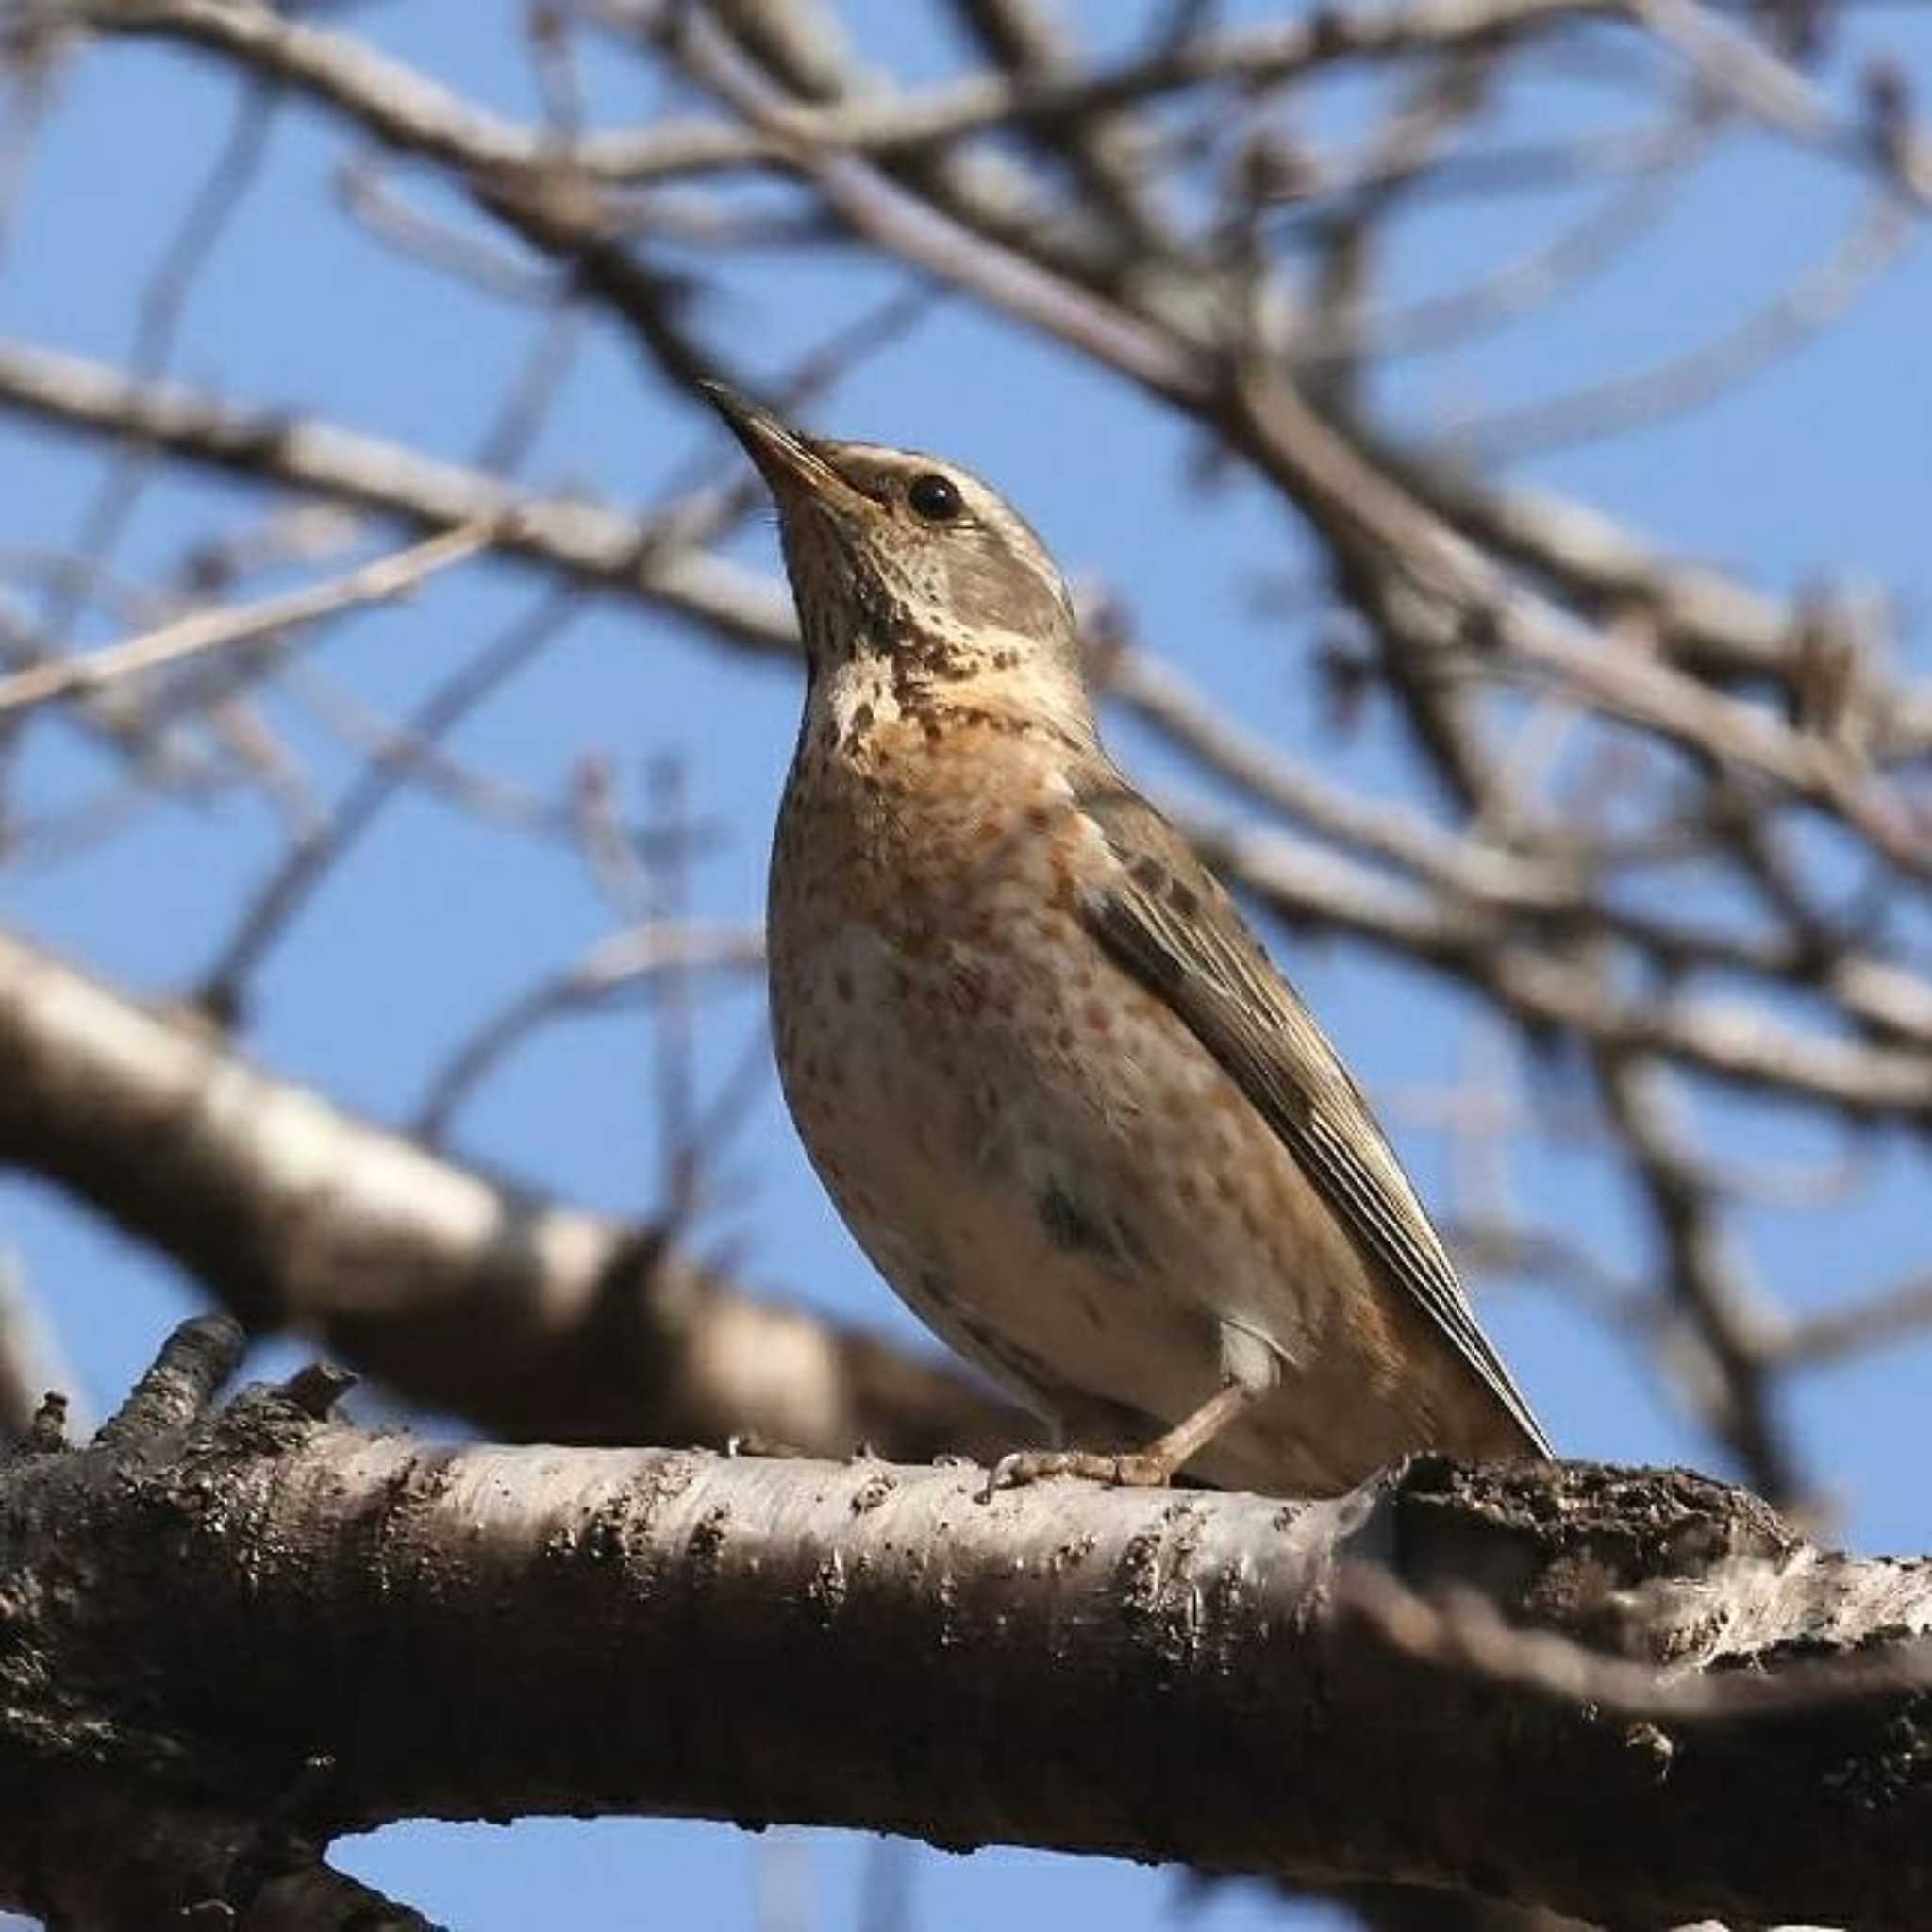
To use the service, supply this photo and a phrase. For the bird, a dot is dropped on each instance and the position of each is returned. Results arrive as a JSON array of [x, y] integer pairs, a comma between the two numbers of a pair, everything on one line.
[[1053, 1084]]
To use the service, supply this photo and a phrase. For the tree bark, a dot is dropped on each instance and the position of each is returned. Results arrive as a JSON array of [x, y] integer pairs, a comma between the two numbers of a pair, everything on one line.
[[261, 1610]]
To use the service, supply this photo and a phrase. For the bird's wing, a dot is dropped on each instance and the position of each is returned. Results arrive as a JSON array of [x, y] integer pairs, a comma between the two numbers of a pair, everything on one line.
[[1165, 919]]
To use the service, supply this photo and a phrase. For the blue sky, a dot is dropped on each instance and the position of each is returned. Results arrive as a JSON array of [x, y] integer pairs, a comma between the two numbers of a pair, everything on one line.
[[1819, 469]]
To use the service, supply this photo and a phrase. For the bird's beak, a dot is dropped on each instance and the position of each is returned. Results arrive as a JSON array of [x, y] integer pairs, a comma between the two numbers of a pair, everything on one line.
[[789, 461]]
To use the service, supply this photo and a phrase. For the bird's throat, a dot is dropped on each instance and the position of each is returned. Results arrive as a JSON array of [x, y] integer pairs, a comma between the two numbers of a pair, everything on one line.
[[873, 713]]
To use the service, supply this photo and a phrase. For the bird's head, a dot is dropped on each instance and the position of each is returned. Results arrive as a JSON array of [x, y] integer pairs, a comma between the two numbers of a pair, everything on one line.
[[914, 564]]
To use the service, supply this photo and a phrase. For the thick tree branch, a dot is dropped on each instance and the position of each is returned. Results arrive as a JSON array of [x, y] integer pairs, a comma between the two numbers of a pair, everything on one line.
[[1246, 1684], [461, 1291], [111, 1859]]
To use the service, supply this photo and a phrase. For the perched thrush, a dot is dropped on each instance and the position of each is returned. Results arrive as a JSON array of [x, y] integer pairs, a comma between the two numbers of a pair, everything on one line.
[[1049, 1077]]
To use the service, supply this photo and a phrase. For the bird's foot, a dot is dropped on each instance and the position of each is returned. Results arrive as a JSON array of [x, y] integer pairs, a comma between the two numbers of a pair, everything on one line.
[[1025, 1466]]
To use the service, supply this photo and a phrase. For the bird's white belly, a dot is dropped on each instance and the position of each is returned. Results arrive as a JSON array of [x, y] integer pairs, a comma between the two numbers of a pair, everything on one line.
[[1000, 1186]]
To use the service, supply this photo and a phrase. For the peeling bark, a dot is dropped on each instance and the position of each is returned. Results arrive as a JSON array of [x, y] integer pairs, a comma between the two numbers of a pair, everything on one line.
[[260, 1609]]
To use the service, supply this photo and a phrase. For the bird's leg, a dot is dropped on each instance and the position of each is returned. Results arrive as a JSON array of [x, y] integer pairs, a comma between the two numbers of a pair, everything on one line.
[[1163, 1456], [1152, 1468]]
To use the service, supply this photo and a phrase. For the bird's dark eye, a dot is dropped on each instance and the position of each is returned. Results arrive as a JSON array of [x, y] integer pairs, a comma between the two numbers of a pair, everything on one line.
[[935, 497]]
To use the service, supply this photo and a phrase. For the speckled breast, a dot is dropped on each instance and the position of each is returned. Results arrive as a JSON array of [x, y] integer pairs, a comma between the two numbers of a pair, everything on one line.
[[1030, 1146]]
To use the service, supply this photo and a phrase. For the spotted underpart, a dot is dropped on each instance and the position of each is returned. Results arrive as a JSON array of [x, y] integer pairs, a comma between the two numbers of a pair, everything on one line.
[[1050, 1080], [1071, 1227]]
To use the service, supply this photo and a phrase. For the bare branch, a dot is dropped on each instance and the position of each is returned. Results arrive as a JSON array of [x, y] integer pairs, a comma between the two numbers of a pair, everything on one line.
[[1731, 1039], [31, 1365], [207, 631], [162, 306], [627, 963], [599, 545], [604, 546], [269, 911], [1687, 381], [409, 111], [1740, 68], [1859, 1328], [1066, 1666]]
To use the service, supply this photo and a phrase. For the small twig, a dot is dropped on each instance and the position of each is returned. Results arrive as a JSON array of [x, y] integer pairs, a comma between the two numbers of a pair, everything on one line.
[[1902, 1309], [530, 397], [163, 303], [32, 1370], [570, 535], [617, 862], [668, 888], [1726, 1316], [625, 962], [1539, 276], [915, 231], [1699, 375], [362, 187], [485, 795], [180, 1385], [1740, 68], [214, 630], [271, 910]]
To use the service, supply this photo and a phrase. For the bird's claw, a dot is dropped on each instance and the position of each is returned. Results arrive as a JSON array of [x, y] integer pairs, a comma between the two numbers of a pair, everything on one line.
[[1020, 1467]]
